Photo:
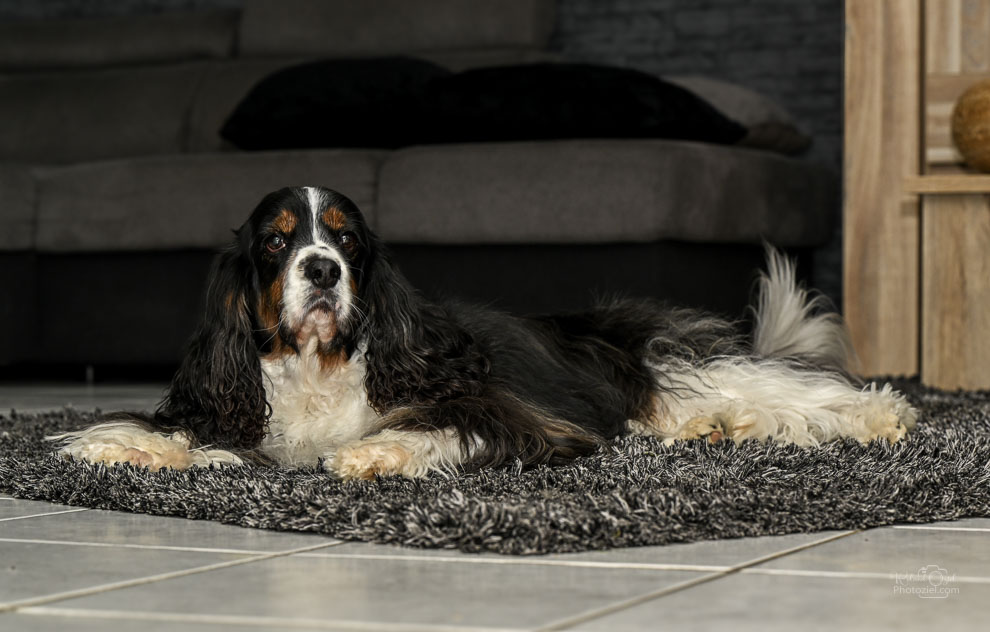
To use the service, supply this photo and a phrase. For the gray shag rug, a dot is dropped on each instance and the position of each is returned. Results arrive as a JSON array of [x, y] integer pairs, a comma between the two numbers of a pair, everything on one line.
[[634, 492]]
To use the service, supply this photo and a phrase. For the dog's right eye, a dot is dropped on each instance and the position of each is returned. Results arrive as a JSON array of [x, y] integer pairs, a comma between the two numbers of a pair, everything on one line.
[[274, 243]]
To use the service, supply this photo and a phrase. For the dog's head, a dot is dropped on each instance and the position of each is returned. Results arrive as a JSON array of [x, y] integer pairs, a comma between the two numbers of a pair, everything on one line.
[[308, 251], [290, 282], [306, 276]]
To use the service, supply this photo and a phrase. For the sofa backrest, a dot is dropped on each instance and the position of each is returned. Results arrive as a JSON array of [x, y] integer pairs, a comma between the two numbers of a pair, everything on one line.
[[90, 89], [347, 28], [63, 117], [28, 45]]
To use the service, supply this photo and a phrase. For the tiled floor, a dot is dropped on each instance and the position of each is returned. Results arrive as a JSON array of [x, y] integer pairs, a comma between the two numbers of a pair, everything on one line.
[[68, 568]]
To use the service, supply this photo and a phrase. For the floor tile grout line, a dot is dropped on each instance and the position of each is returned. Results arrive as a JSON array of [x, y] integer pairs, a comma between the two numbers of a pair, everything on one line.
[[795, 549], [849, 574], [646, 566], [515, 561], [604, 565], [603, 611], [931, 528], [247, 620], [150, 547], [597, 613], [42, 515], [150, 579]]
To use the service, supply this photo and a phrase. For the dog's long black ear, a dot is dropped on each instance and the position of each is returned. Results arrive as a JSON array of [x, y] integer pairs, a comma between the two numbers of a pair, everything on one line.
[[217, 394], [417, 354]]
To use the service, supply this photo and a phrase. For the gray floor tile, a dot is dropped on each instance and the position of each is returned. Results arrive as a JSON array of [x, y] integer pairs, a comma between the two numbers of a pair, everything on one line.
[[16, 508], [888, 550], [119, 528], [35, 570], [766, 603], [700, 556], [72, 620], [391, 591], [28, 398]]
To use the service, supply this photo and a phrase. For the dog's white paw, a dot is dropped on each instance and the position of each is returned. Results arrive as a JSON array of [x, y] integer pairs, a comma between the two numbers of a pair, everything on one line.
[[123, 442], [889, 426], [154, 455], [366, 459], [883, 414], [714, 428]]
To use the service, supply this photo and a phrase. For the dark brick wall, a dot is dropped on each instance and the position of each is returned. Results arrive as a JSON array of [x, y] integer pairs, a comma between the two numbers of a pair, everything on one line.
[[790, 50]]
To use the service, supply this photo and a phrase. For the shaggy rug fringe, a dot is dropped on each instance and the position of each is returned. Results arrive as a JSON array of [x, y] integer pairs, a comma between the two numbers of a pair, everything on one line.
[[634, 492]]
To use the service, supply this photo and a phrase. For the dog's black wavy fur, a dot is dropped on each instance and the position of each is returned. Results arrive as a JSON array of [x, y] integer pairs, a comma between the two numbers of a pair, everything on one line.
[[540, 389]]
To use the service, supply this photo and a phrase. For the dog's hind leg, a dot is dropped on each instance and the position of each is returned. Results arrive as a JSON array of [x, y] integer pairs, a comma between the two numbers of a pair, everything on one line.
[[795, 386], [743, 398]]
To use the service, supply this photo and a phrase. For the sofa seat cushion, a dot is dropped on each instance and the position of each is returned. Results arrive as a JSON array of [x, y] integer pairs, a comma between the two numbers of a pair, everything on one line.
[[602, 191], [17, 190], [185, 201], [63, 117]]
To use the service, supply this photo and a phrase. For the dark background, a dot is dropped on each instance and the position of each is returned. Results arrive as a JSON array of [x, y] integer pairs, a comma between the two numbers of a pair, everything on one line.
[[788, 50]]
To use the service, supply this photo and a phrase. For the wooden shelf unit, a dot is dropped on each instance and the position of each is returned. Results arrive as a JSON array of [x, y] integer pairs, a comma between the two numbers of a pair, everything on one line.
[[917, 226]]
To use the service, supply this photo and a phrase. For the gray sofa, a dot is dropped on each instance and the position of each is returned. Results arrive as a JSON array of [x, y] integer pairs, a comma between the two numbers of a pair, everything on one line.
[[116, 187]]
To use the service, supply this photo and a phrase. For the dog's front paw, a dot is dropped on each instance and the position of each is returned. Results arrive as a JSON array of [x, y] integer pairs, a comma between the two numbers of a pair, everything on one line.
[[123, 442], [154, 457], [366, 459]]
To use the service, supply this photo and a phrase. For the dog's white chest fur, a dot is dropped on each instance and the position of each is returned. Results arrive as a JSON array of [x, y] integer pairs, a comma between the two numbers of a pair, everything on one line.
[[314, 411]]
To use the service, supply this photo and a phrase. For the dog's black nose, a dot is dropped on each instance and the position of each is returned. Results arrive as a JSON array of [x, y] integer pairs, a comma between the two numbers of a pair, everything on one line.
[[323, 273]]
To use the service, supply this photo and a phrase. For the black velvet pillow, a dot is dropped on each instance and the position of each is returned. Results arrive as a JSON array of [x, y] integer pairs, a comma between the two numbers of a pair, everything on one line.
[[337, 103], [399, 101], [543, 101]]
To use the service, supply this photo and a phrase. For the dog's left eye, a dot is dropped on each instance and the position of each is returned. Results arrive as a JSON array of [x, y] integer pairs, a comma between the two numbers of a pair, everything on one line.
[[348, 240], [275, 243]]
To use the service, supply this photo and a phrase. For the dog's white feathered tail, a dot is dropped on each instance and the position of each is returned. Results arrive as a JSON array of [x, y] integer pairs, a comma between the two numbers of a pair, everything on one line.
[[766, 395], [791, 322]]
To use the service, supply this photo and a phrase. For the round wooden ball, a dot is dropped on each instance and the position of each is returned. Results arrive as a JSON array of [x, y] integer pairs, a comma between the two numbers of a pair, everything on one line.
[[971, 125]]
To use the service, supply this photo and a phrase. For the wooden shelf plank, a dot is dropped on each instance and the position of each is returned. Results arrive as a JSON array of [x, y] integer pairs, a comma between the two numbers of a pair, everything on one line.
[[948, 183], [882, 147]]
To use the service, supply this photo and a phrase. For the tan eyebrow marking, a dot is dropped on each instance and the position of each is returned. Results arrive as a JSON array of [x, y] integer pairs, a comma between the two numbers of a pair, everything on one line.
[[286, 222], [334, 218]]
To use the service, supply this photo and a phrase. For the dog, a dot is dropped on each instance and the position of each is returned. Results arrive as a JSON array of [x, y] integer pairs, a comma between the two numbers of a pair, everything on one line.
[[315, 349]]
